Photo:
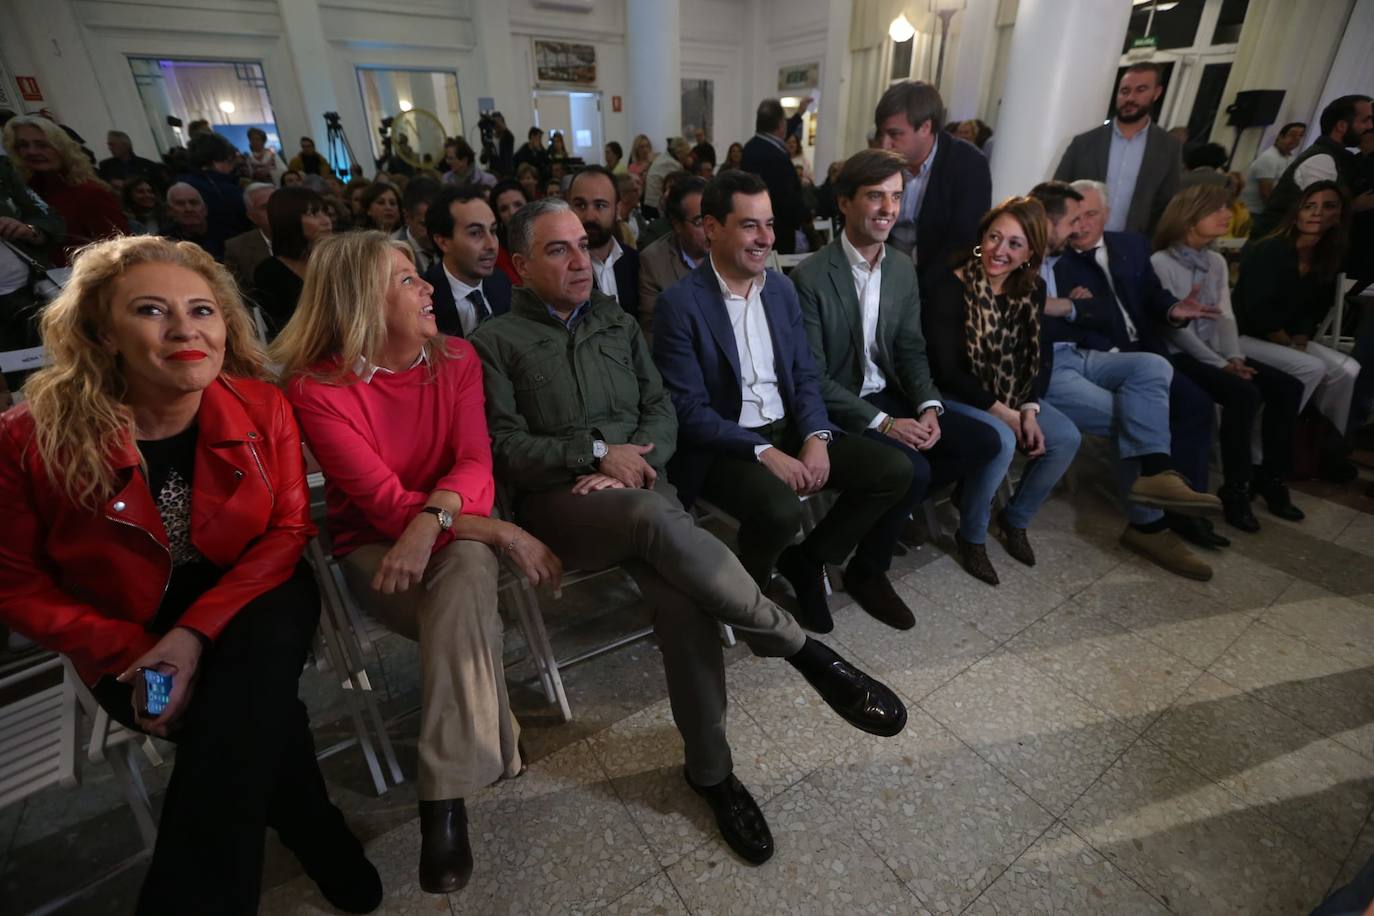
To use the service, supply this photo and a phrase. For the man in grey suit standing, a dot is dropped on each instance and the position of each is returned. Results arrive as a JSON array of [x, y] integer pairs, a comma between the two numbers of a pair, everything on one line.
[[1136, 158]]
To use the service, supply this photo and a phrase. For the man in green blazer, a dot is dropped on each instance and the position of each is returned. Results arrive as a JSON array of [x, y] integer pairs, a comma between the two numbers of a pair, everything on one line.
[[862, 314]]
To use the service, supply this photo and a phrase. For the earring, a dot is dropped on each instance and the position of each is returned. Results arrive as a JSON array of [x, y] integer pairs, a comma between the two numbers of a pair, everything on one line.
[[977, 251]]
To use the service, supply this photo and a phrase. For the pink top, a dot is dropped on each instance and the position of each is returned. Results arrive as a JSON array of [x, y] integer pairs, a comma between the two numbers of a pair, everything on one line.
[[385, 444]]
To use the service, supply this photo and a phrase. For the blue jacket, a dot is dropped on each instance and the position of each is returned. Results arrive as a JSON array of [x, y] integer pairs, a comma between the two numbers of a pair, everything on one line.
[[1098, 323], [696, 351], [496, 289]]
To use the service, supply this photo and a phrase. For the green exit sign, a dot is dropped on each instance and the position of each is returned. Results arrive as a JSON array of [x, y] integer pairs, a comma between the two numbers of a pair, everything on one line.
[[1149, 41]]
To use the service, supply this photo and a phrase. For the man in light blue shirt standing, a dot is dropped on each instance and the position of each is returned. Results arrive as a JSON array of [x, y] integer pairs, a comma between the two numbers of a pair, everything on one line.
[[1139, 162]]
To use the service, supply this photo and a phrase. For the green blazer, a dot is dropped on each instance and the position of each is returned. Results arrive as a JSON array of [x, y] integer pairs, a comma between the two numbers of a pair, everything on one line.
[[834, 327]]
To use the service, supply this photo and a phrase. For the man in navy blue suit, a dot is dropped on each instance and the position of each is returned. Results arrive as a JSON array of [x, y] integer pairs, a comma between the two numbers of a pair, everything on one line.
[[948, 184], [615, 268], [468, 289], [753, 434], [1119, 307]]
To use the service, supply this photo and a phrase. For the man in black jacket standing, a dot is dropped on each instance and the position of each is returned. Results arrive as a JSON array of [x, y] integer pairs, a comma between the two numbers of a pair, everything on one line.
[[948, 185], [766, 156]]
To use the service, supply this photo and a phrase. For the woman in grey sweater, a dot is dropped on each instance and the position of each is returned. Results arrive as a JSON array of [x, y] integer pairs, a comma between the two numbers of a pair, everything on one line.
[[1208, 352]]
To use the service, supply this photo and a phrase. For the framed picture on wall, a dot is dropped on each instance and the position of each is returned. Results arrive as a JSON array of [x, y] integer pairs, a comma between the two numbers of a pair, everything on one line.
[[564, 62], [799, 76]]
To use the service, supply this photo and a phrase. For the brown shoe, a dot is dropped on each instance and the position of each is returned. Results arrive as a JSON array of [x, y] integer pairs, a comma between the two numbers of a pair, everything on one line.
[[1015, 541], [875, 594], [1167, 551], [1168, 490], [974, 559]]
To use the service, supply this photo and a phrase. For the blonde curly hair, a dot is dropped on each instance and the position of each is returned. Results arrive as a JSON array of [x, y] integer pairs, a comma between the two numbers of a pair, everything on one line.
[[76, 168], [77, 401]]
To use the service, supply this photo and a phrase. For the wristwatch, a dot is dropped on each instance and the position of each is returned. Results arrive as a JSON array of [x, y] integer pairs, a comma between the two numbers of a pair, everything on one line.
[[599, 450], [824, 435], [444, 516]]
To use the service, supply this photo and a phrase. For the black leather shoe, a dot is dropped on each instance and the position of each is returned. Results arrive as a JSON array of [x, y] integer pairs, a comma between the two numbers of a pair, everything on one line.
[[875, 594], [862, 701], [445, 855], [1192, 529], [1235, 508], [738, 816], [334, 859], [1276, 497], [807, 577]]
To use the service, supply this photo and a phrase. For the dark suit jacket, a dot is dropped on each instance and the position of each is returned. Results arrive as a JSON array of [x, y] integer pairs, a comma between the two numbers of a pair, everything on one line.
[[1156, 184], [958, 193], [1098, 324], [626, 280], [834, 329], [242, 255], [696, 351], [495, 288], [773, 165], [660, 266]]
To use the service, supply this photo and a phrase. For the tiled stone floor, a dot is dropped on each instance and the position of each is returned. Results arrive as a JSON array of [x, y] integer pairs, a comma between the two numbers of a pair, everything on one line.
[[1093, 736]]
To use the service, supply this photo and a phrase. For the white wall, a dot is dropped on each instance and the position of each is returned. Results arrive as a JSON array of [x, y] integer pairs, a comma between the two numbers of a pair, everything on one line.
[[713, 48]]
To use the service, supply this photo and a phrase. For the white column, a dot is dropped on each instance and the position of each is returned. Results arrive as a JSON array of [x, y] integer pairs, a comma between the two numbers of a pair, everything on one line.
[[833, 115], [1060, 78], [652, 38], [968, 64], [314, 73]]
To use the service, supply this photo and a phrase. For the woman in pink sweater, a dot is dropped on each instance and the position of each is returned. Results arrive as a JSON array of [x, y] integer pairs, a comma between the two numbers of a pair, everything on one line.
[[394, 414]]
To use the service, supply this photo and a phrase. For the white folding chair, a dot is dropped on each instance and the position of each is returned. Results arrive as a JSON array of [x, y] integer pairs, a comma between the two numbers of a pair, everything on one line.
[[1329, 332]]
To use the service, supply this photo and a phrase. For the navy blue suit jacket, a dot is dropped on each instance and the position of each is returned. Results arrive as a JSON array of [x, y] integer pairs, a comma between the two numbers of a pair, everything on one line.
[[696, 351], [626, 280], [958, 193], [495, 289], [1099, 324]]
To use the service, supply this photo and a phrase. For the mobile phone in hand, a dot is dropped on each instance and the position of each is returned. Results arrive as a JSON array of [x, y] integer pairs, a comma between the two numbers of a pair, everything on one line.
[[152, 689]]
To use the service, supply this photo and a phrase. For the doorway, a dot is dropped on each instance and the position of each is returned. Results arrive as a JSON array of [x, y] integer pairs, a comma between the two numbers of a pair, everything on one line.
[[576, 115], [229, 94]]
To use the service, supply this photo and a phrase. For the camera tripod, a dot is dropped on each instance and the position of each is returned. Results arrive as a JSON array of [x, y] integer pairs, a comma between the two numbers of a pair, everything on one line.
[[336, 143]]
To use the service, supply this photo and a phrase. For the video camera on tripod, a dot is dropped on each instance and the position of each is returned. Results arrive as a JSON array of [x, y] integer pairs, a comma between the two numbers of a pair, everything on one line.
[[487, 125]]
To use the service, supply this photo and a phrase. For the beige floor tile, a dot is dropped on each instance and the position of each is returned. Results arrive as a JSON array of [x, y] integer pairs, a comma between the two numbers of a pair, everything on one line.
[[940, 816], [822, 866], [1325, 520], [1358, 535], [1105, 664], [1065, 561], [1295, 552], [1359, 855], [1318, 689], [1047, 741], [795, 719], [1238, 581], [1317, 788], [1062, 875], [1192, 844], [643, 757], [1338, 625], [998, 611], [913, 662], [655, 897], [1160, 608]]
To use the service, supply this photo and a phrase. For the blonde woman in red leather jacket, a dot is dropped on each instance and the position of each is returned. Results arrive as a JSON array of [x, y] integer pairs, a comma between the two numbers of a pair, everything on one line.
[[157, 513]]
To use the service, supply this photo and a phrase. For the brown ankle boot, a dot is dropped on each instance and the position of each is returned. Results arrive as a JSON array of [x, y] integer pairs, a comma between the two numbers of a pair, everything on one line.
[[445, 854], [974, 559]]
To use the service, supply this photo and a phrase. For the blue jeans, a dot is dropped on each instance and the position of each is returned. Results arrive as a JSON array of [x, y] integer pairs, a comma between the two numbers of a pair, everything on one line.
[[1121, 396], [1061, 444]]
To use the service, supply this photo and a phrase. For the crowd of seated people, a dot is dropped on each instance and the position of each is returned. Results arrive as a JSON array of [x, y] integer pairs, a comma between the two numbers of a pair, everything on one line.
[[610, 345]]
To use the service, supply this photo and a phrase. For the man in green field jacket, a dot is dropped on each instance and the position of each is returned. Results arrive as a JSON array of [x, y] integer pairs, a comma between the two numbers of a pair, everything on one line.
[[581, 429]]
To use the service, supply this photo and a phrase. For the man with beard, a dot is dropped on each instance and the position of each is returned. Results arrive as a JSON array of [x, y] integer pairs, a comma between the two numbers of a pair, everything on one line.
[[615, 267], [468, 289], [1343, 123], [1137, 159]]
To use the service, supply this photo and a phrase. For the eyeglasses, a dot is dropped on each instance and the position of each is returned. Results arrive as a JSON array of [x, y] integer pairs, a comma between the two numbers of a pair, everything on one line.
[[695, 221]]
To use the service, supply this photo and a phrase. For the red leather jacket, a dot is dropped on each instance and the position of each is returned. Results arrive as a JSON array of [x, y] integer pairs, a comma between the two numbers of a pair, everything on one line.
[[85, 584]]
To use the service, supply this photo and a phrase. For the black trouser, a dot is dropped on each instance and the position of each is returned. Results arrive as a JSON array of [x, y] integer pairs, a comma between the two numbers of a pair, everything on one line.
[[964, 446], [1278, 392], [245, 761], [870, 479]]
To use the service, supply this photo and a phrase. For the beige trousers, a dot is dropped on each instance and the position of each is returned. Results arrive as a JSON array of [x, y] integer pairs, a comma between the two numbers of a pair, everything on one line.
[[467, 731]]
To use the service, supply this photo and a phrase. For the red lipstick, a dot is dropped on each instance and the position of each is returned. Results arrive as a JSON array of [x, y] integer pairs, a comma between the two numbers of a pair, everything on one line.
[[187, 356]]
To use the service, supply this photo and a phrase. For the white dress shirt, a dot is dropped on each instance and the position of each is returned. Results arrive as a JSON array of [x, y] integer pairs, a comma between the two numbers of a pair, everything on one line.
[[760, 398], [868, 284], [604, 271], [467, 312]]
